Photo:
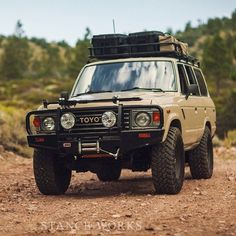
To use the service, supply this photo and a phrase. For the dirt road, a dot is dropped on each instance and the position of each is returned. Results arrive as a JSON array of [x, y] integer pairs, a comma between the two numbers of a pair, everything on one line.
[[126, 207]]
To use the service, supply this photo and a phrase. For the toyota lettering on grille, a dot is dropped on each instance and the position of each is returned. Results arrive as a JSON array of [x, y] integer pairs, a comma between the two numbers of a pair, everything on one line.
[[90, 119]]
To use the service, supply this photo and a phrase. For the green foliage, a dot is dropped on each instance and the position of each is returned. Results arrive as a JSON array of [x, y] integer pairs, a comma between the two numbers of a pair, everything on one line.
[[40, 42], [233, 20], [63, 44], [215, 43], [217, 61], [80, 57], [28, 93], [15, 59], [227, 113], [53, 64]]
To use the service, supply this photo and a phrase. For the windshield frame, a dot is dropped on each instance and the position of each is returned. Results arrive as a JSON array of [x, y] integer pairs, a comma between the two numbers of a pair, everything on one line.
[[125, 61]]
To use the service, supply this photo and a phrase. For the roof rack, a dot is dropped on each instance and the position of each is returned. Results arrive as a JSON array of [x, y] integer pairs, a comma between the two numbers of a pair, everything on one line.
[[125, 51], [141, 44]]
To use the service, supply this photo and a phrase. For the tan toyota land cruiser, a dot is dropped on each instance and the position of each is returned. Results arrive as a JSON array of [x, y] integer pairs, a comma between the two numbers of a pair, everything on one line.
[[142, 104]]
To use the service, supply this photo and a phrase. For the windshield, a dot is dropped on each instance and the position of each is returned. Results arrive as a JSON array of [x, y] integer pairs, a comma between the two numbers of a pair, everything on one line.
[[126, 76]]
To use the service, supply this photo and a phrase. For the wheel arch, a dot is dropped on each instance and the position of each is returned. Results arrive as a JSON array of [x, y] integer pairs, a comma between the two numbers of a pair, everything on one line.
[[177, 124], [208, 124], [174, 122]]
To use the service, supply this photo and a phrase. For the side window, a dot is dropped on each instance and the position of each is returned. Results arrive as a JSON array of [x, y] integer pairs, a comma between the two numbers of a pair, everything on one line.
[[183, 79], [191, 78], [201, 82]]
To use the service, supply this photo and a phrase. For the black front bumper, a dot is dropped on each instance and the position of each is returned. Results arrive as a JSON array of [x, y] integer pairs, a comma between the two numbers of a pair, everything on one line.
[[126, 141], [121, 137]]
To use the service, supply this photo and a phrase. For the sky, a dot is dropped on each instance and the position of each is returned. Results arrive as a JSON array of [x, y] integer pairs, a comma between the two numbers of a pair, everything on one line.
[[66, 20]]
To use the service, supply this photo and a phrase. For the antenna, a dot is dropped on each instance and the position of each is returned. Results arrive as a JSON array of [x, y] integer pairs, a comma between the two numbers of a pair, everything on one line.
[[114, 26]]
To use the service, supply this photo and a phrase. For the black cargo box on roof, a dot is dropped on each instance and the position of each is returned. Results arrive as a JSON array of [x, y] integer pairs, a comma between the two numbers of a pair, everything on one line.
[[144, 37], [109, 44], [140, 44], [149, 37], [109, 40]]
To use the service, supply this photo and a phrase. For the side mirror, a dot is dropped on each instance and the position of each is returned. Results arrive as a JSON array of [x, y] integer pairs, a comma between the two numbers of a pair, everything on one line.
[[192, 88], [64, 95]]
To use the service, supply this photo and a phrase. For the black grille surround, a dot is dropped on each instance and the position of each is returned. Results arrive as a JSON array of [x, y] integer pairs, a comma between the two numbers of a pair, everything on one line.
[[96, 127]]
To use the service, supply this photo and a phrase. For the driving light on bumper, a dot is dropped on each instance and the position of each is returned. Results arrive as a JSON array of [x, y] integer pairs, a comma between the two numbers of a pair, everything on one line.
[[48, 124], [67, 120], [108, 119]]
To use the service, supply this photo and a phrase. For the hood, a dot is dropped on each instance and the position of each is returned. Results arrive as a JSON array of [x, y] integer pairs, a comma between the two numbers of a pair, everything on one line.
[[125, 94], [147, 98]]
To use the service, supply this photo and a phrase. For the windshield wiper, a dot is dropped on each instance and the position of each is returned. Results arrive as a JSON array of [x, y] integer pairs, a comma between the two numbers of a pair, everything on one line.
[[149, 89], [91, 92]]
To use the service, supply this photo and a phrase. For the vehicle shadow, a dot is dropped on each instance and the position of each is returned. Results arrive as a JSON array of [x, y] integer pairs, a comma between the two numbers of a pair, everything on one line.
[[124, 186], [130, 186]]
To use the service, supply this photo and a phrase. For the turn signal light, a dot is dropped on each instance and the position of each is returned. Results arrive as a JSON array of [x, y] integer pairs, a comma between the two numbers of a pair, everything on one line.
[[156, 117], [36, 122]]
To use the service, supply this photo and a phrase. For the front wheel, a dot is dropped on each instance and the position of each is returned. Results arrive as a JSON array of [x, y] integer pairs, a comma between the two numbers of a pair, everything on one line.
[[201, 158], [168, 162], [51, 175]]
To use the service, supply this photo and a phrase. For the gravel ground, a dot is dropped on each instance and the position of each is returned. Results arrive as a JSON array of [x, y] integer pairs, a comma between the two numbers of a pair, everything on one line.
[[126, 207]]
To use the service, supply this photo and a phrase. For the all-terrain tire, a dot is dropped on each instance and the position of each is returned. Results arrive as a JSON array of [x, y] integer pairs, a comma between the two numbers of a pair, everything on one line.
[[51, 175], [109, 171], [168, 163], [201, 158]]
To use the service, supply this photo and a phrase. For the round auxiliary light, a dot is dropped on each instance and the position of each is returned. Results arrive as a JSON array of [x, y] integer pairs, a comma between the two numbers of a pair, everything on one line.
[[142, 119], [108, 119], [67, 120], [48, 124]]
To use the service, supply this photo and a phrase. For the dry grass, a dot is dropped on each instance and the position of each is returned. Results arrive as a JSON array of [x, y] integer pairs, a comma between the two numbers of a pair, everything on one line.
[[12, 130]]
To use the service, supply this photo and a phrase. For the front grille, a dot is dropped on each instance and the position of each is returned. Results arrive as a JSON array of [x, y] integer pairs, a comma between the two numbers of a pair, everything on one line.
[[96, 127]]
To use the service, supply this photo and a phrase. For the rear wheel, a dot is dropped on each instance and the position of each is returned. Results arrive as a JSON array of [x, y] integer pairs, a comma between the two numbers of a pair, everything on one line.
[[109, 171], [51, 175], [201, 158], [168, 162]]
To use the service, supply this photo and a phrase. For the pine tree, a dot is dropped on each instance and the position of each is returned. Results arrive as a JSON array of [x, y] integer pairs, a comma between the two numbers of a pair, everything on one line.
[[15, 60], [217, 61]]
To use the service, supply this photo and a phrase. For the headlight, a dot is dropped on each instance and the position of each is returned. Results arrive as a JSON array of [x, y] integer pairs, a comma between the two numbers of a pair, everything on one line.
[[67, 120], [48, 124], [142, 119], [108, 119]]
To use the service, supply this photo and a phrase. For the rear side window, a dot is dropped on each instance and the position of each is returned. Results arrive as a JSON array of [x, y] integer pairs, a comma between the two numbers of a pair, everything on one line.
[[192, 79], [183, 79], [201, 82]]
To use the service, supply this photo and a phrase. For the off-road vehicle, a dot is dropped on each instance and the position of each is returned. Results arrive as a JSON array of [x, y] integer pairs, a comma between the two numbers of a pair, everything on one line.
[[141, 102]]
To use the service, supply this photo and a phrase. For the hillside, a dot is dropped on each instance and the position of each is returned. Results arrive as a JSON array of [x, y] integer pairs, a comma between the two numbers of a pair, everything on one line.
[[32, 69]]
